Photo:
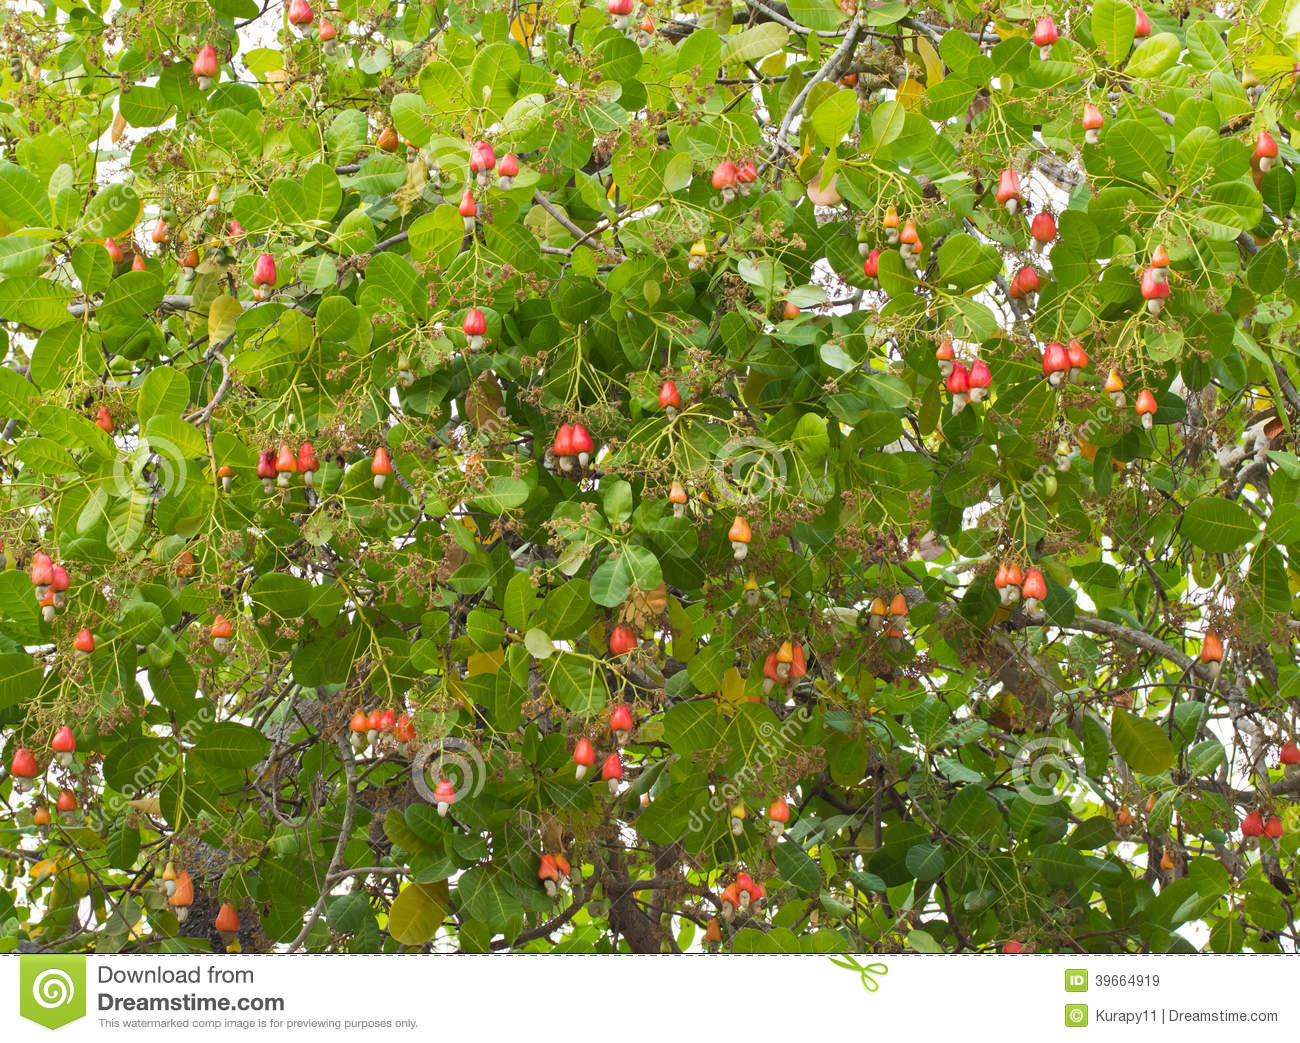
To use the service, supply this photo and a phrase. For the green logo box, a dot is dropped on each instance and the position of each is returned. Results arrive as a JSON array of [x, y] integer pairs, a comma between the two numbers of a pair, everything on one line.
[[1076, 1015], [52, 989], [1076, 980]]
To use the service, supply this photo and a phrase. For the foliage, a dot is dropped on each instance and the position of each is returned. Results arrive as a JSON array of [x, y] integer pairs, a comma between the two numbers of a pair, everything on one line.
[[968, 769]]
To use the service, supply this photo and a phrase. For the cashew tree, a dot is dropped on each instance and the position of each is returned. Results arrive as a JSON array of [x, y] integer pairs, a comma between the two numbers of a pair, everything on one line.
[[743, 475]]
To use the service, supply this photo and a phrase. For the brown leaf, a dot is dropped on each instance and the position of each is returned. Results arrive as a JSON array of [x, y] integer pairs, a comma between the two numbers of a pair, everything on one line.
[[484, 405]]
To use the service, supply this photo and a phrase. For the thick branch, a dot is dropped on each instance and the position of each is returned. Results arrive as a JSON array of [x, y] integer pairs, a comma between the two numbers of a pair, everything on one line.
[[834, 62]]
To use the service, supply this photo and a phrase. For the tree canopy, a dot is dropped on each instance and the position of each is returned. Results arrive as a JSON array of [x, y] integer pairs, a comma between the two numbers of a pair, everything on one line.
[[756, 476]]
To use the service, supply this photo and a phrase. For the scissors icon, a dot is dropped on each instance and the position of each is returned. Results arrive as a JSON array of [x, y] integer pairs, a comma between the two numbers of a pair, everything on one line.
[[865, 972]]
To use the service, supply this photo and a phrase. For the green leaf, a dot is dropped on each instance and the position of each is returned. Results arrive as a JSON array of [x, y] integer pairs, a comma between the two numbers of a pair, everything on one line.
[[144, 106], [887, 122], [610, 583], [346, 134], [965, 263], [1233, 207], [816, 14], [45, 456], [1218, 525], [112, 213], [123, 845], [20, 678], [1195, 154], [1153, 56], [579, 688], [1204, 758], [641, 567], [229, 744], [129, 296], [567, 609], [321, 193], [617, 502], [411, 118], [436, 236], [833, 118], [379, 175], [1143, 744], [240, 9], [754, 43], [1113, 22], [538, 644], [923, 942], [925, 861], [1059, 863], [692, 726], [34, 302], [1134, 154], [1206, 49], [337, 319], [503, 493], [796, 867], [23, 202], [22, 254], [492, 75], [173, 438], [520, 600], [164, 391], [286, 596], [126, 522]]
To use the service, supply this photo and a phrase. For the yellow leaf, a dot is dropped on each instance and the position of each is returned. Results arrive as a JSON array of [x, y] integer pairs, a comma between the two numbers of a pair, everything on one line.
[[731, 690], [222, 316], [45, 867], [485, 662], [523, 26], [910, 94], [931, 60], [417, 913], [411, 190], [805, 149]]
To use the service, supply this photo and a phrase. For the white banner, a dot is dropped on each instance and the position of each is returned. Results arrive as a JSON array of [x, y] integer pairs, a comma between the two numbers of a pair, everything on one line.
[[642, 997]]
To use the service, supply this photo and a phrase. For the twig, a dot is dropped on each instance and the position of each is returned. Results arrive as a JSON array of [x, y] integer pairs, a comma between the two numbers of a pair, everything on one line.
[[345, 832], [559, 215], [202, 416], [542, 930]]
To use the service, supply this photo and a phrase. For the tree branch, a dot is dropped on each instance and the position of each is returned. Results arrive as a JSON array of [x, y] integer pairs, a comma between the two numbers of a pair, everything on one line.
[[345, 832], [837, 58]]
